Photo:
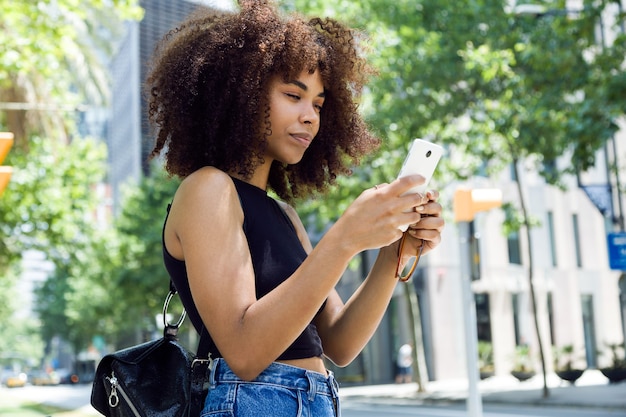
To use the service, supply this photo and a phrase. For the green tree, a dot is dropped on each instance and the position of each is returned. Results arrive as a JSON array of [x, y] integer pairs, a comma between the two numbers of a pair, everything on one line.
[[52, 61], [496, 87], [141, 282], [76, 302], [49, 208], [115, 286], [474, 76], [52, 64]]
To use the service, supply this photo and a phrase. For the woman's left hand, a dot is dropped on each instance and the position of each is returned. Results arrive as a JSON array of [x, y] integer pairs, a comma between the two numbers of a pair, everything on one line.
[[427, 231]]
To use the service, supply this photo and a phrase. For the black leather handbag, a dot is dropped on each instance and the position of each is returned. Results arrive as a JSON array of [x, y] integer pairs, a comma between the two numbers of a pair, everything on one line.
[[153, 379]]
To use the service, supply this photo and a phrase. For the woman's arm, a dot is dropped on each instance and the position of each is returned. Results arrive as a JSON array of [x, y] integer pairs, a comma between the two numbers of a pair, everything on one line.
[[346, 329], [205, 229]]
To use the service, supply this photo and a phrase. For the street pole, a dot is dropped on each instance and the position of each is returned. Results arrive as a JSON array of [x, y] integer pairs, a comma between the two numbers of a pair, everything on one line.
[[474, 399], [467, 203]]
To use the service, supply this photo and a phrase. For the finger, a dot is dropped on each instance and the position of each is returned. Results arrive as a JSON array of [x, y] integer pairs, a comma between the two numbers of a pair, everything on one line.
[[404, 184], [427, 209], [380, 186], [430, 237], [430, 209], [432, 195], [427, 227], [412, 202]]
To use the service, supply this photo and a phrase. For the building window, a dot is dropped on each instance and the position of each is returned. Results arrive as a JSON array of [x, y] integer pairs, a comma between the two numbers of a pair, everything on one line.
[[515, 256], [552, 238], [591, 354], [579, 261], [474, 247], [551, 318], [483, 316], [515, 308]]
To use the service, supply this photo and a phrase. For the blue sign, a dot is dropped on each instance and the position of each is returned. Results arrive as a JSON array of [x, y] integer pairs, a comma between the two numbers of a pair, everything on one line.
[[617, 250]]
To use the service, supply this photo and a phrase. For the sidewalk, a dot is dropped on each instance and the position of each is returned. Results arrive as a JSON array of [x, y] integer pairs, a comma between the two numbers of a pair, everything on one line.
[[592, 390]]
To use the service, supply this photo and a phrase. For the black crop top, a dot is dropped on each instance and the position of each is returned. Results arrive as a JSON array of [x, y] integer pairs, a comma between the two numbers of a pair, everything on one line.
[[276, 253]]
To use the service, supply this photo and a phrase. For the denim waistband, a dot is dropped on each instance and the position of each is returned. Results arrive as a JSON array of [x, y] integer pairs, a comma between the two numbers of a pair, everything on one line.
[[277, 373]]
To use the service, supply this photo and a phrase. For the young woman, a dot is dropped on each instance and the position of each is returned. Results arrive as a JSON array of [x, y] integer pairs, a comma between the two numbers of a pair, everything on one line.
[[247, 101]]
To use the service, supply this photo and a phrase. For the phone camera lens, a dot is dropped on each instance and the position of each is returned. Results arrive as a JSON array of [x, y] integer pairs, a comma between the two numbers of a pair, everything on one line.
[[428, 154]]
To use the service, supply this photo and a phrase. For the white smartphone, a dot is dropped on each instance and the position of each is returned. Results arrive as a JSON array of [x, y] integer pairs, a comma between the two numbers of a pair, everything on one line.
[[422, 159]]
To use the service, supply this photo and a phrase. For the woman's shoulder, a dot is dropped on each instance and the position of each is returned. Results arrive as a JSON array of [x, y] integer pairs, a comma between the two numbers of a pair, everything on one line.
[[206, 186], [208, 177], [201, 195]]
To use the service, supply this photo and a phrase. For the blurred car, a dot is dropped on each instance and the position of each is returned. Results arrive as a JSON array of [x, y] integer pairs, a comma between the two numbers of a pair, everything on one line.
[[13, 379], [66, 376], [44, 378]]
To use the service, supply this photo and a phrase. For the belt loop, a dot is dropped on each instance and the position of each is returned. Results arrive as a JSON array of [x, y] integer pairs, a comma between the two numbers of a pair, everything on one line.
[[212, 375], [312, 386], [334, 390], [334, 385]]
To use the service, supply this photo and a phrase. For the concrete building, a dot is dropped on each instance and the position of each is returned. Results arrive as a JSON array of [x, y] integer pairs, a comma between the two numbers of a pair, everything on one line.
[[577, 294], [128, 137]]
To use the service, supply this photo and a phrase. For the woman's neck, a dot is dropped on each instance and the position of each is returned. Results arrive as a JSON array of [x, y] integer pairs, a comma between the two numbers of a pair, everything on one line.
[[259, 178]]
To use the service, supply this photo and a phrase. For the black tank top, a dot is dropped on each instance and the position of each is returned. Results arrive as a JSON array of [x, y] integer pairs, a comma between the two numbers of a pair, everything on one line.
[[276, 253]]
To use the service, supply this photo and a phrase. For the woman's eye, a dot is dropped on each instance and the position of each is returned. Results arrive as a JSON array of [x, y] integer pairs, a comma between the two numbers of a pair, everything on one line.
[[293, 96]]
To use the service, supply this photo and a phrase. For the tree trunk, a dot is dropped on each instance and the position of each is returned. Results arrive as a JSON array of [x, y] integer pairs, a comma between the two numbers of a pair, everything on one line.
[[531, 285], [415, 323]]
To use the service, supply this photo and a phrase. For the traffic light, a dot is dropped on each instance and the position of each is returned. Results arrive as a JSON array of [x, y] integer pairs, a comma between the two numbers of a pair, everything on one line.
[[468, 202], [6, 141]]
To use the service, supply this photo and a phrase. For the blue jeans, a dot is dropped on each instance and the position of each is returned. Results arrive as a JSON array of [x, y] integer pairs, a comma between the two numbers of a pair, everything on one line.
[[279, 391]]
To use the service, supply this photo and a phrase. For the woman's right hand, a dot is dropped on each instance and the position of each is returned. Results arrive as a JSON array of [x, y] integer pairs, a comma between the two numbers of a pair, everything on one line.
[[376, 218]]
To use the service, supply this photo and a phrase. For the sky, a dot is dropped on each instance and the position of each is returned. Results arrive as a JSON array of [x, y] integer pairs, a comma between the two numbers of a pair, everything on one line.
[[221, 4]]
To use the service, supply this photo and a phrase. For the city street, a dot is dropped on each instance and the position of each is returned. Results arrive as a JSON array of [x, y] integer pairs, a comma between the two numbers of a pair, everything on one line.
[[352, 409], [76, 397], [66, 397]]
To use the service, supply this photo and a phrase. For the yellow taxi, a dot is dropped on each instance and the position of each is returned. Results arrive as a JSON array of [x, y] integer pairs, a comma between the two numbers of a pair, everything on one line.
[[14, 379]]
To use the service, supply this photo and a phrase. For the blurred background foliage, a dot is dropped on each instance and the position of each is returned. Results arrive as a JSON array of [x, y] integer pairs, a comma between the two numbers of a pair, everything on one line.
[[492, 85], [52, 66]]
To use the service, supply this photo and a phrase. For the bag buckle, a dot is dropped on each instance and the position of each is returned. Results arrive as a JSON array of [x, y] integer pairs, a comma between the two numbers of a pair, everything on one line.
[[201, 361]]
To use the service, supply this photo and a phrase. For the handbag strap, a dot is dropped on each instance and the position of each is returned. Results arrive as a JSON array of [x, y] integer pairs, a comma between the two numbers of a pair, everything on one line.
[[171, 330], [203, 345], [201, 363], [205, 341]]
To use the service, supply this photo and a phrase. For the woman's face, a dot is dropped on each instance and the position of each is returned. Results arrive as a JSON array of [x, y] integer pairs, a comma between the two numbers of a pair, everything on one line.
[[295, 107]]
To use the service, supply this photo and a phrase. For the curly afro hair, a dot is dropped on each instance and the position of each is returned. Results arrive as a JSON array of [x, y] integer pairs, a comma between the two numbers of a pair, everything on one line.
[[208, 96]]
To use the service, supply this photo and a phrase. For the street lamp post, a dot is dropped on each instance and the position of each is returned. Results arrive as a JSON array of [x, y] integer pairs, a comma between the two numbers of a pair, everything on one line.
[[466, 204]]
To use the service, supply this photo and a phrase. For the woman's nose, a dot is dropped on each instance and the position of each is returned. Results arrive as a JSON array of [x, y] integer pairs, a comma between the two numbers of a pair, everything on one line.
[[309, 115]]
